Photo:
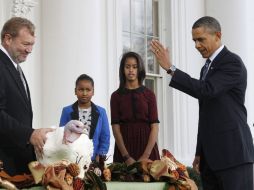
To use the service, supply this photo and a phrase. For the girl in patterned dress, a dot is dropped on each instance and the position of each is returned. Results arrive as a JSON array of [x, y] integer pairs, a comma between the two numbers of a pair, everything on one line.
[[134, 116]]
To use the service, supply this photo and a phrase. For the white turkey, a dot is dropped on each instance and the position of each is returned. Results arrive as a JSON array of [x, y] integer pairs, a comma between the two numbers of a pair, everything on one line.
[[70, 143]]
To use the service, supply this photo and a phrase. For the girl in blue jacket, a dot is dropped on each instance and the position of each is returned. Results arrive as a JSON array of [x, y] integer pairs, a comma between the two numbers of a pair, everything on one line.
[[91, 115]]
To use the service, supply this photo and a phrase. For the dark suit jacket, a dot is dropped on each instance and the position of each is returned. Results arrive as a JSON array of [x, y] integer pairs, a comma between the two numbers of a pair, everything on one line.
[[224, 137], [15, 120]]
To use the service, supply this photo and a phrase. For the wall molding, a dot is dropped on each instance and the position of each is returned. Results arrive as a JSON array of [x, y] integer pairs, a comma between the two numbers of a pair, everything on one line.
[[183, 135], [22, 7]]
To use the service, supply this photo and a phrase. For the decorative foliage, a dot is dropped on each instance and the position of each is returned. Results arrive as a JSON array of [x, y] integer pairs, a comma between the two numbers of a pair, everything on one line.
[[65, 174], [73, 169], [150, 172], [22, 7], [168, 169], [195, 177], [92, 181], [17, 181]]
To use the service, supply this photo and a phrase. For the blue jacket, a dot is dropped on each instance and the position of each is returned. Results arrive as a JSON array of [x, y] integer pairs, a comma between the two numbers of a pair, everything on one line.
[[99, 131]]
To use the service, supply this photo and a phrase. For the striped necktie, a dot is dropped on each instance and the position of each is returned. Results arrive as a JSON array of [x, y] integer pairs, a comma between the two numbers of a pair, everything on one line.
[[205, 69], [22, 78]]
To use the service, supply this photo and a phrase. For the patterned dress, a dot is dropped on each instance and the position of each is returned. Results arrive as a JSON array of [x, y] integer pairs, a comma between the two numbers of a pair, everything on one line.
[[134, 110], [85, 117]]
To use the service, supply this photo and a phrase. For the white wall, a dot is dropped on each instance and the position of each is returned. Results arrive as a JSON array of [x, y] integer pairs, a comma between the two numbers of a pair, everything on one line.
[[74, 42], [32, 68], [78, 37], [181, 111], [5, 11]]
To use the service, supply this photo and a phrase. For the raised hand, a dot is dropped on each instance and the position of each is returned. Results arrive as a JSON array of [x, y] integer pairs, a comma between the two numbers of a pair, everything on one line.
[[161, 53]]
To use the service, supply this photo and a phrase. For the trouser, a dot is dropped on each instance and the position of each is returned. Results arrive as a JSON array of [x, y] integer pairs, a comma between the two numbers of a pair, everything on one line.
[[235, 178]]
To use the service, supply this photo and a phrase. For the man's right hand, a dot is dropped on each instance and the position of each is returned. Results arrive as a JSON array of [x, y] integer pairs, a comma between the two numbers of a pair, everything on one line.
[[38, 139], [161, 53], [196, 164]]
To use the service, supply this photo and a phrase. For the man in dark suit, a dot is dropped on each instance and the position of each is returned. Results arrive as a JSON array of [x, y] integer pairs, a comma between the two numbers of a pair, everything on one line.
[[18, 140], [224, 152]]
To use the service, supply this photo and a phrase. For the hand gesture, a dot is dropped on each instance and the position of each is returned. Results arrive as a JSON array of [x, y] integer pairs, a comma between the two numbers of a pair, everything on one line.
[[161, 53]]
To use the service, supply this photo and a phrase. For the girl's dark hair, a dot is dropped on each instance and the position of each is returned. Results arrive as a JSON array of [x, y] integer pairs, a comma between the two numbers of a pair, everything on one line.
[[84, 77], [141, 68]]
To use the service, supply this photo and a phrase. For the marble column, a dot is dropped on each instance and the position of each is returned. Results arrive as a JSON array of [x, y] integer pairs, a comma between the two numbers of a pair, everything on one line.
[[180, 114]]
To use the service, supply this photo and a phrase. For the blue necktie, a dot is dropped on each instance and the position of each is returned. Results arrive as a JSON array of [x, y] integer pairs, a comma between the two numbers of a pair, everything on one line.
[[205, 69]]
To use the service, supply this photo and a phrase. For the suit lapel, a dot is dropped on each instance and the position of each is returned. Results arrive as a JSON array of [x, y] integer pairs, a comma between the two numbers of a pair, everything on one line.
[[75, 114], [215, 63], [217, 59], [15, 75]]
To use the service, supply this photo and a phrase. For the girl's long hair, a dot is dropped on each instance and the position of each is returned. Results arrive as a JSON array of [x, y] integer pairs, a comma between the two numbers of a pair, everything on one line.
[[141, 68]]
